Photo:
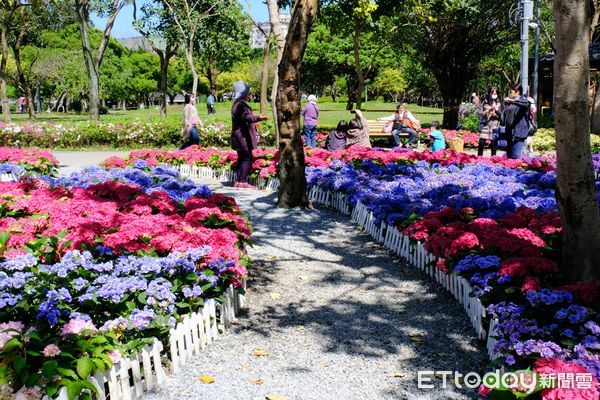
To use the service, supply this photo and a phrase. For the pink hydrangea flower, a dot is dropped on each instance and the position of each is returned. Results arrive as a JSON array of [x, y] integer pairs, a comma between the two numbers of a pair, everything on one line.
[[51, 351], [8, 330], [76, 326], [115, 356]]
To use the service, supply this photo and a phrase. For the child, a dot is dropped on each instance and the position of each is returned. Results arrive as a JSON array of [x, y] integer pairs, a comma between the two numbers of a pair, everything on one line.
[[337, 139], [439, 142]]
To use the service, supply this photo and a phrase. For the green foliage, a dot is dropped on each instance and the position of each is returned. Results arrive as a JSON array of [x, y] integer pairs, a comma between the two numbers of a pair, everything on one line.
[[470, 123], [545, 140], [390, 82]]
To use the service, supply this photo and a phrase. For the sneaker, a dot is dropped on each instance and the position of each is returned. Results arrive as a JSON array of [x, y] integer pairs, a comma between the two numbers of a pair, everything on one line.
[[245, 185]]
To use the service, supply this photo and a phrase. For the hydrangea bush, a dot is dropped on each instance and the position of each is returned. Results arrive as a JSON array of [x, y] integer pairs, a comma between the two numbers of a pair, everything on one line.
[[93, 266]]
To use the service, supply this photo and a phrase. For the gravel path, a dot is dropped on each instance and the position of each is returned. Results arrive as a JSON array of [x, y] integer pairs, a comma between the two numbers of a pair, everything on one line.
[[337, 316]]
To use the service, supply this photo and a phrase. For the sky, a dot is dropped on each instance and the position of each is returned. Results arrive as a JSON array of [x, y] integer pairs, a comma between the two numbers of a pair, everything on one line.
[[123, 24]]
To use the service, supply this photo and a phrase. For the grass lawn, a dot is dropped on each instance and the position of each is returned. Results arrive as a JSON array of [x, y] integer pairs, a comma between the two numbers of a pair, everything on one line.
[[330, 114]]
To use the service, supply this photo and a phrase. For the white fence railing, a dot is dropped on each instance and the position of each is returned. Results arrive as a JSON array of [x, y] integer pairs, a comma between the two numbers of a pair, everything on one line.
[[140, 373], [413, 252]]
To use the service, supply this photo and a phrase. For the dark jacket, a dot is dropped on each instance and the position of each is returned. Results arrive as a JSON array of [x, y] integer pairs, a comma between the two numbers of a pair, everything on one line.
[[243, 130], [515, 118], [336, 141]]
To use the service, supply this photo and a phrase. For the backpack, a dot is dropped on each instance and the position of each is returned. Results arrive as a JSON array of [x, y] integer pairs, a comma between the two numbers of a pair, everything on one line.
[[531, 125]]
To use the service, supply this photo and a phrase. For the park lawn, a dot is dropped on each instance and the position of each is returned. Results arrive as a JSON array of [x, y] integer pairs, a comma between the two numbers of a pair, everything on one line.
[[331, 113]]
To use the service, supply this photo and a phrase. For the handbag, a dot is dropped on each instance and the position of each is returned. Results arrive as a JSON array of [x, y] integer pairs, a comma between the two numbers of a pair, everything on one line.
[[531, 127], [387, 128]]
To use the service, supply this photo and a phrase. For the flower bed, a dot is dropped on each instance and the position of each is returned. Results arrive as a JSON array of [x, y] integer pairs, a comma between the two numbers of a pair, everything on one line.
[[19, 161], [265, 160], [113, 259], [498, 228]]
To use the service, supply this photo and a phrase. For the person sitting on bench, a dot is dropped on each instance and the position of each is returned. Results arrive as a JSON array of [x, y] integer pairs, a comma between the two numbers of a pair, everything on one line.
[[404, 122]]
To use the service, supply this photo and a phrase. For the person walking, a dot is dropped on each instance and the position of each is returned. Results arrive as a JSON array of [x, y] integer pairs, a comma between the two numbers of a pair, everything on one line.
[[311, 116], [244, 138], [516, 116], [210, 103], [490, 117], [191, 122]]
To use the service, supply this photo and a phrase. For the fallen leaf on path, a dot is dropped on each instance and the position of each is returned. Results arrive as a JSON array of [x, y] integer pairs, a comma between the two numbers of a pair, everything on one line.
[[300, 327], [360, 229], [245, 366], [416, 338], [275, 295], [272, 258], [260, 353], [397, 374], [259, 381], [304, 277], [207, 379], [275, 397]]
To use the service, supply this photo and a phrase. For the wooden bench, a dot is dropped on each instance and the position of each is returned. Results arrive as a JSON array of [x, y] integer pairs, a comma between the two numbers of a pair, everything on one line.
[[376, 130]]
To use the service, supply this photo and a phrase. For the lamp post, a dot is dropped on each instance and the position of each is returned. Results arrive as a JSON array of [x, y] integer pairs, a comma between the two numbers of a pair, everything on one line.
[[536, 61], [526, 14]]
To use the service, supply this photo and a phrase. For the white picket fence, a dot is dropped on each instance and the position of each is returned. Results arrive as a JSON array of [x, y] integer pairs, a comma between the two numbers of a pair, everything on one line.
[[133, 376], [8, 178], [413, 252]]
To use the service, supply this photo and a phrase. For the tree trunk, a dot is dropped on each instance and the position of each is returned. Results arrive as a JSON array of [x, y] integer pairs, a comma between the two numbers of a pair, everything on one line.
[[280, 42], [213, 73], [189, 55], [3, 61], [451, 109], [292, 192], [576, 192], [90, 65], [357, 67], [264, 81], [164, 67], [22, 81]]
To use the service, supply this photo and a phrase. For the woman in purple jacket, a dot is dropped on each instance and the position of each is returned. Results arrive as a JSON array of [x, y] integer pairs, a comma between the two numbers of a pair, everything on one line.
[[311, 115], [243, 132]]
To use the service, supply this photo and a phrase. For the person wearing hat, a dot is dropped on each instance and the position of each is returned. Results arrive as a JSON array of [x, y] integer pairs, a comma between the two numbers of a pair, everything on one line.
[[311, 115], [244, 138]]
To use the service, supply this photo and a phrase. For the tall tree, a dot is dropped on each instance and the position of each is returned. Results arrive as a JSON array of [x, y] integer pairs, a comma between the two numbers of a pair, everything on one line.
[[576, 190], [224, 41], [189, 16], [110, 9], [280, 41], [455, 36], [292, 192], [156, 26], [29, 19], [8, 9]]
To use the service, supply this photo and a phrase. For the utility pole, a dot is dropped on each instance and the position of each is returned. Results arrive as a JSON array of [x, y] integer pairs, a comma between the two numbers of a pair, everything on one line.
[[526, 14]]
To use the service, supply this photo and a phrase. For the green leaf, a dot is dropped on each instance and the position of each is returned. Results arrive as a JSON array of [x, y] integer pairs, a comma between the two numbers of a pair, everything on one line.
[[84, 367], [73, 389], [12, 344], [51, 389], [69, 373], [19, 365], [49, 368], [33, 379]]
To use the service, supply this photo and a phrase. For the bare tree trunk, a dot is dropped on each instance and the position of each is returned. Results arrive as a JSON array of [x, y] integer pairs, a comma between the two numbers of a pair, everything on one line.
[[189, 55], [357, 66], [264, 81], [3, 61], [292, 192], [90, 65], [576, 192], [22, 81], [164, 67], [280, 42], [212, 74]]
